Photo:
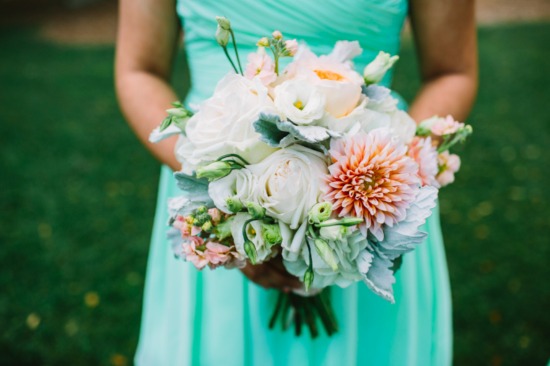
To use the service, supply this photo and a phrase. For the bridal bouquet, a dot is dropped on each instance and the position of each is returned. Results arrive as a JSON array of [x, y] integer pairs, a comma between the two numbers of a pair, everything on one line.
[[314, 163]]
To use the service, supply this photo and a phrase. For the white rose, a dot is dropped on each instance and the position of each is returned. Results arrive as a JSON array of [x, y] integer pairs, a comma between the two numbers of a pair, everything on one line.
[[289, 183], [254, 233], [239, 184], [299, 101], [333, 75], [224, 123]]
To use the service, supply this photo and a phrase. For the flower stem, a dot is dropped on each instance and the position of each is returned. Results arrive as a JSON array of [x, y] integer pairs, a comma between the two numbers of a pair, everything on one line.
[[229, 58], [280, 300], [236, 51]]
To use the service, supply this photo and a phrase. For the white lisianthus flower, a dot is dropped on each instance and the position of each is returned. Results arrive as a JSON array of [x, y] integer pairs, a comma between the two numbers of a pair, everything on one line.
[[264, 251], [224, 123], [332, 74], [289, 183], [375, 71], [239, 185], [299, 101]]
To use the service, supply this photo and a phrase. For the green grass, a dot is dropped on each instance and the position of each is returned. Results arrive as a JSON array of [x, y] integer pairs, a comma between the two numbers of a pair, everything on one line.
[[77, 195]]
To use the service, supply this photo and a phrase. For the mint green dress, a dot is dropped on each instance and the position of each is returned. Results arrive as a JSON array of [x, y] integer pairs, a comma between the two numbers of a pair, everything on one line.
[[219, 317]]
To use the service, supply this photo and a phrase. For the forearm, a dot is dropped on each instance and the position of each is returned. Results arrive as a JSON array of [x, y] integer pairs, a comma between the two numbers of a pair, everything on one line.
[[452, 93], [144, 98]]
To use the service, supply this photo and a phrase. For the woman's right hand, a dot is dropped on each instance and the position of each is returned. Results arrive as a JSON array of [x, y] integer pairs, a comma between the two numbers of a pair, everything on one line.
[[272, 274]]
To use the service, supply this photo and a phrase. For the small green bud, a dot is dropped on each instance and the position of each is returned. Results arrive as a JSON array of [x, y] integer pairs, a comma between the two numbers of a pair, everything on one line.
[[223, 229], [263, 42], [207, 226], [201, 209], [223, 23], [308, 278], [255, 210], [234, 204], [347, 221], [222, 36], [337, 232], [271, 234], [320, 212], [375, 71], [250, 250], [326, 253], [214, 171]]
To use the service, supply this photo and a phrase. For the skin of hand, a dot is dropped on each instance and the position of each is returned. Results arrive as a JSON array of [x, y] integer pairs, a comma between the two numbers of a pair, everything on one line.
[[148, 37]]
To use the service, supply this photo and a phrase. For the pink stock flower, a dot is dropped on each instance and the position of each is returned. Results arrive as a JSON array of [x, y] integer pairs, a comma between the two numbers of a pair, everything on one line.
[[291, 46], [260, 66], [182, 224], [445, 126], [373, 178], [449, 164], [216, 215], [217, 254], [193, 254], [425, 155]]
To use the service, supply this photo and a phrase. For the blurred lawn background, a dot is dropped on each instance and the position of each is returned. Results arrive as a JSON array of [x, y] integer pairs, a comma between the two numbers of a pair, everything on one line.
[[77, 197]]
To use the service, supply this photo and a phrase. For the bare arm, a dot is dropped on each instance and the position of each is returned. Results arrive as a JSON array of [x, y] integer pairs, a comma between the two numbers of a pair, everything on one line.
[[445, 36], [146, 44]]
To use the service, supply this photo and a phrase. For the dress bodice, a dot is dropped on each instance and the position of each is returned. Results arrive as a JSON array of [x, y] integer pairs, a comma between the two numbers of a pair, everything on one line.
[[376, 24]]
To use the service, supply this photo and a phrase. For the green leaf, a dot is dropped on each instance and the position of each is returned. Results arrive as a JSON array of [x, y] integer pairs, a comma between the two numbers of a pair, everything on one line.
[[195, 189], [267, 127]]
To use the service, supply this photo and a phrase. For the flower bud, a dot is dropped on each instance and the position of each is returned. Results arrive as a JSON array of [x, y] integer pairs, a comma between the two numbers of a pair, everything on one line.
[[222, 36], [234, 204], [325, 252], [333, 232], [375, 71], [207, 226], [250, 251], [271, 234], [346, 221], [201, 209], [215, 170], [308, 278], [291, 47], [320, 212], [223, 229], [263, 42], [255, 210], [223, 23], [277, 34]]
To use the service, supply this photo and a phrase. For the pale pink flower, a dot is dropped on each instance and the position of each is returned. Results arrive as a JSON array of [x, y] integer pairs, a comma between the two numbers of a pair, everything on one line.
[[182, 224], [260, 66], [216, 215], [277, 34], [425, 155], [195, 230], [445, 126], [193, 254], [449, 164], [217, 254], [371, 177], [291, 46]]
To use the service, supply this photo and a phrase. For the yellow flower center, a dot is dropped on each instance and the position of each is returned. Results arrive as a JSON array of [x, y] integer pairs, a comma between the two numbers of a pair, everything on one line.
[[298, 104], [329, 75]]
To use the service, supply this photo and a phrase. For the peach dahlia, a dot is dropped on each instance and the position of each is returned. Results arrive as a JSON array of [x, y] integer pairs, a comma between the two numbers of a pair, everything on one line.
[[373, 178]]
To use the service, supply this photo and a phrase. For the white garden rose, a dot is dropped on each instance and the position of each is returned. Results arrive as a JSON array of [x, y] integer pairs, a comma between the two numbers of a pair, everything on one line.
[[224, 123], [239, 185], [289, 183], [299, 101], [333, 75]]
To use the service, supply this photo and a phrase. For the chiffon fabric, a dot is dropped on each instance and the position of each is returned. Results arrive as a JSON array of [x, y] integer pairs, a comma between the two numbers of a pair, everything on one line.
[[219, 317]]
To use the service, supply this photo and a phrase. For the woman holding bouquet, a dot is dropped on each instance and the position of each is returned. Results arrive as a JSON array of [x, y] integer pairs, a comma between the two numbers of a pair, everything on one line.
[[220, 317]]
